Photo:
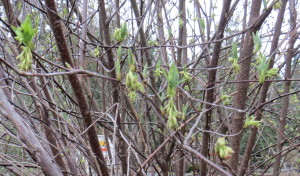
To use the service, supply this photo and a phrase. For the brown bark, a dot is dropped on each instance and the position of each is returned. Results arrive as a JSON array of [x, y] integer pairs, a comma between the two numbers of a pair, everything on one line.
[[76, 86], [142, 34], [285, 101], [163, 160], [241, 96], [170, 38], [70, 160], [76, 11], [200, 156], [82, 44], [205, 49], [182, 41], [118, 18], [181, 61], [28, 138], [244, 19], [210, 95], [165, 153], [111, 64], [44, 115], [264, 91], [110, 56], [12, 19], [42, 111], [160, 29]]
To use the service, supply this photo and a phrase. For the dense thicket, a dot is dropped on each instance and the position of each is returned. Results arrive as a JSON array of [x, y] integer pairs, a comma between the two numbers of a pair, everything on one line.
[[134, 87]]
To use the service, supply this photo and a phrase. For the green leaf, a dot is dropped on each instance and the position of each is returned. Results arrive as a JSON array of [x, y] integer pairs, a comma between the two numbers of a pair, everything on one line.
[[119, 53], [173, 80], [124, 31], [172, 113], [272, 72], [250, 121], [145, 71], [96, 52], [202, 25], [222, 150], [131, 60], [172, 121], [236, 67], [184, 111], [170, 33], [68, 65], [120, 34], [257, 42], [181, 23], [132, 95], [25, 58], [234, 59], [158, 70], [25, 33], [220, 143], [235, 51], [186, 75], [133, 84], [278, 5], [226, 99], [262, 68], [153, 43]]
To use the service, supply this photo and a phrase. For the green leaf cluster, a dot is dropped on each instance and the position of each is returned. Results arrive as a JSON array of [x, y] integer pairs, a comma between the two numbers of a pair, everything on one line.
[[223, 151], [234, 59], [172, 114], [96, 52], [170, 108], [158, 70], [25, 35], [68, 65], [181, 23], [184, 110], [170, 34], [131, 61], [277, 5], [262, 68], [153, 43], [186, 75], [257, 42], [120, 34], [250, 121], [145, 71], [226, 99], [133, 84], [173, 80], [132, 81], [202, 26]]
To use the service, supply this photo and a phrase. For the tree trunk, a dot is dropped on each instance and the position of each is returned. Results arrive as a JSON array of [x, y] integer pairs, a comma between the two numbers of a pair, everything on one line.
[[264, 91], [285, 101], [42, 111], [210, 97], [111, 64], [28, 138], [76, 86], [236, 125]]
